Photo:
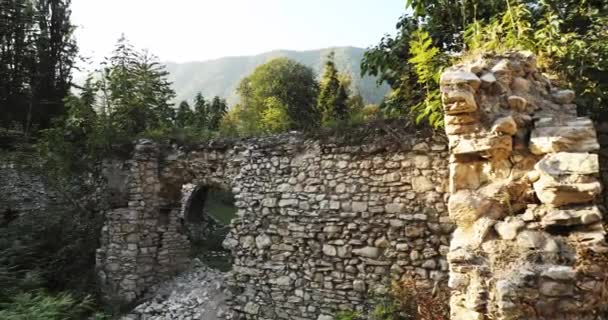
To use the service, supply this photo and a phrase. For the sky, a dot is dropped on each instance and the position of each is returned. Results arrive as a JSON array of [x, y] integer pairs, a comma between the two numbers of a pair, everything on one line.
[[197, 30]]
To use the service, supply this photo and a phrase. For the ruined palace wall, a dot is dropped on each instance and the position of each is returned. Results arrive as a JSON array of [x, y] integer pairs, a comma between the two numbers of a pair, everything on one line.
[[319, 223]]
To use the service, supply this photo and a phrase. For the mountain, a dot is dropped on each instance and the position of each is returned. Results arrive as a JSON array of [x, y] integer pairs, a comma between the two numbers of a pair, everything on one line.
[[221, 76]]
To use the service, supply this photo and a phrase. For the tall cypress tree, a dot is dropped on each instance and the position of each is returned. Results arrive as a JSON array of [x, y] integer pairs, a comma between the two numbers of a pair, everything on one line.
[[201, 112], [217, 109], [333, 95]]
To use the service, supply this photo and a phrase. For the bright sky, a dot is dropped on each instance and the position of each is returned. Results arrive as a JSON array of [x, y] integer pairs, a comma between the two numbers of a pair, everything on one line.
[[195, 30]]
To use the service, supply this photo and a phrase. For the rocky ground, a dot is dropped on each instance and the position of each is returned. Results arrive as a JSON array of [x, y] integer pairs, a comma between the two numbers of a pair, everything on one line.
[[198, 294]]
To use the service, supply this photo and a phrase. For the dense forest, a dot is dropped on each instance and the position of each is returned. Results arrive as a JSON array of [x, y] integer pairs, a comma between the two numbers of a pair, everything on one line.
[[69, 128]]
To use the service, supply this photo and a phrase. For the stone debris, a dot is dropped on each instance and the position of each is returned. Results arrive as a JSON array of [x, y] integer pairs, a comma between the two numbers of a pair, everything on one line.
[[197, 294]]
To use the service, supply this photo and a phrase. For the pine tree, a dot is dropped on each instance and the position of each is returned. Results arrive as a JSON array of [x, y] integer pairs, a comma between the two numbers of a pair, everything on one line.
[[333, 95], [185, 116], [217, 109], [201, 112]]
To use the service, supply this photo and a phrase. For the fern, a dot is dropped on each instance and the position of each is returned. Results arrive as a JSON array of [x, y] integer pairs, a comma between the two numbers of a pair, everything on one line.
[[428, 61]]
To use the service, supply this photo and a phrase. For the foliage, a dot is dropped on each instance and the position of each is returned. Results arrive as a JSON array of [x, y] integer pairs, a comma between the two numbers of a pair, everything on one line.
[[568, 37], [37, 54], [333, 98], [136, 95], [427, 62], [349, 315], [406, 300], [286, 83], [39, 305]]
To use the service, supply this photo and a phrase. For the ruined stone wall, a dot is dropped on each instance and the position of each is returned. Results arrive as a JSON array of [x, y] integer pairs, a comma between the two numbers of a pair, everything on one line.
[[319, 224], [530, 240]]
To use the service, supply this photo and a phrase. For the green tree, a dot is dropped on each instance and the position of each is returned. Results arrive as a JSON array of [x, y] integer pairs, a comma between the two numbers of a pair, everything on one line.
[[292, 84], [577, 24], [37, 54], [136, 91], [333, 96], [201, 111], [185, 116], [217, 110]]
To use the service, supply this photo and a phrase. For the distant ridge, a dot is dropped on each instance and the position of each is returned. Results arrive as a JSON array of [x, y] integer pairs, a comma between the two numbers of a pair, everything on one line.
[[221, 76]]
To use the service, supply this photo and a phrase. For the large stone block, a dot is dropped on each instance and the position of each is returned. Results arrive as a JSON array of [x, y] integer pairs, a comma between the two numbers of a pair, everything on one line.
[[551, 135]]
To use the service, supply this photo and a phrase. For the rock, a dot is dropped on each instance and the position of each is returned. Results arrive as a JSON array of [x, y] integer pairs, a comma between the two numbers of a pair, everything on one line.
[[251, 308], [368, 252], [567, 178], [563, 96], [465, 176], [460, 77], [459, 102], [567, 163], [472, 237], [329, 250], [556, 289], [422, 184], [359, 206], [359, 285], [465, 207], [508, 229], [551, 136], [560, 273], [517, 103], [487, 80], [505, 125], [489, 146], [263, 241], [460, 119], [532, 240], [394, 208], [573, 216], [520, 85]]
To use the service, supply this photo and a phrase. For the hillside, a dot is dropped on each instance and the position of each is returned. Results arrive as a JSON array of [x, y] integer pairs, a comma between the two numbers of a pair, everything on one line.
[[221, 76]]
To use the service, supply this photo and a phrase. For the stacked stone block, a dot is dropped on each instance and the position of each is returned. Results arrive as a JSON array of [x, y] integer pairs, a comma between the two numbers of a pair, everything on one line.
[[523, 183]]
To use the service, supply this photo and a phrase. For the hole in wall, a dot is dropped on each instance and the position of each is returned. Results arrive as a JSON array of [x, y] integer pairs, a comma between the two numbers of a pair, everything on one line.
[[207, 222]]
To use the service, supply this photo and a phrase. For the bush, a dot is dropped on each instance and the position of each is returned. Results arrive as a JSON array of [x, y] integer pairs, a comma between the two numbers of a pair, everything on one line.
[[406, 300]]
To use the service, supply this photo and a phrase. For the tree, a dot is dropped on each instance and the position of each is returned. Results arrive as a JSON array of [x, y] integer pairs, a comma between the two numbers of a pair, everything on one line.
[[136, 91], [291, 84], [185, 116], [37, 54], [201, 112], [332, 94], [217, 110], [449, 24]]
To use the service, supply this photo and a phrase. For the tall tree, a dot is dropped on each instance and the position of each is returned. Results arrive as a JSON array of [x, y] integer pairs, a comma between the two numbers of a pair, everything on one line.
[[217, 110], [138, 93], [201, 111], [37, 54], [333, 93], [185, 116]]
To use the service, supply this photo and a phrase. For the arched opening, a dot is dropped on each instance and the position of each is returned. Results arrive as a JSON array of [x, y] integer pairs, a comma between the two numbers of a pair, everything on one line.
[[207, 214]]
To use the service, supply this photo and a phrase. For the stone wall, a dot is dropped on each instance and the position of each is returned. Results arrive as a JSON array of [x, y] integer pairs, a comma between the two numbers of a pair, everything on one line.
[[319, 223], [23, 193], [530, 241]]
